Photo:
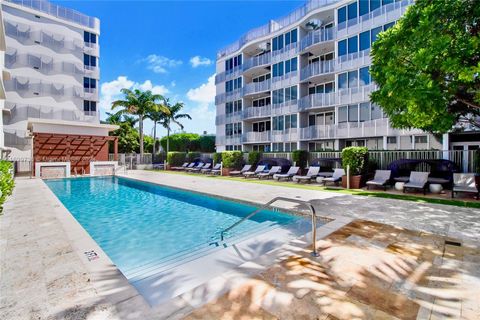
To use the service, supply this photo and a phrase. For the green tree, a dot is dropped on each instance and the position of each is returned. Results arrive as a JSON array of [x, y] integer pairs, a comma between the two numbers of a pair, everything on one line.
[[156, 113], [427, 66], [137, 103], [172, 115], [128, 137]]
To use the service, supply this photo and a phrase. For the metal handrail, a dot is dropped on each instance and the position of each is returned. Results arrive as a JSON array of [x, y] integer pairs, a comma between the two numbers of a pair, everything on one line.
[[268, 204]]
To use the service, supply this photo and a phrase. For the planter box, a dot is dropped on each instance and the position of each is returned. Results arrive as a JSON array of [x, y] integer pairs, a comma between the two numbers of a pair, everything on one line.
[[356, 182], [226, 171]]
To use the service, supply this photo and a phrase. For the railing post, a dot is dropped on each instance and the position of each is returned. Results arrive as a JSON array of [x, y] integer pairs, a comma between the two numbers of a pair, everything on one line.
[[348, 176]]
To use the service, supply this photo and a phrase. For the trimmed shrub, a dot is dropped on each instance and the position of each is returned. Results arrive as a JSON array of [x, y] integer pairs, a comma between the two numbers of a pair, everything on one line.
[[232, 159], [254, 157], [356, 158], [206, 144], [191, 156], [300, 157], [185, 142], [6, 181], [176, 158], [217, 157]]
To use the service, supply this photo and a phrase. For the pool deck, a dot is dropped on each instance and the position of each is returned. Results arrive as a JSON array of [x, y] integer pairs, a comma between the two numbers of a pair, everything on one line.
[[46, 274]]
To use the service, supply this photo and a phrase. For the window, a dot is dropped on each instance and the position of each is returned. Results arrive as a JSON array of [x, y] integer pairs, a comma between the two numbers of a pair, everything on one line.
[[278, 123], [261, 102], [388, 26], [261, 126], [291, 121], [89, 83], [290, 146], [364, 40], [278, 69], [342, 15], [291, 65], [262, 78], [329, 87], [342, 48], [421, 139], [376, 112], [364, 76], [385, 2], [291, 37], [233, 62], [277, 147], [277, 43], [353, 79], [89, 106], [291, 93], [235, 106], [89, 60], [342, 81], [353, 44], [375, 4], [364, 111], [374, 34], [342, 114], [353, 113], [89, 37], [277, 96], [392, 140], [352, 10], [363, 7]]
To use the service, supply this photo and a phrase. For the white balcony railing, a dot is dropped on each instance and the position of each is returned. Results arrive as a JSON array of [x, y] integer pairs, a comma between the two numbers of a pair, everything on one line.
[[261, 60], [285, 135], [257, 87], [317, 36], [285, 53], [318, 100], [19, 112], [288, 79], [257, 137], [28, 88], [228, 118], [317, 68], [286, 107], [257, 112]]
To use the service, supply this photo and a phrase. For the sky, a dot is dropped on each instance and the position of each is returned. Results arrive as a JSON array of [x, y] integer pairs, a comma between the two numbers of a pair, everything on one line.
[[170, 47]]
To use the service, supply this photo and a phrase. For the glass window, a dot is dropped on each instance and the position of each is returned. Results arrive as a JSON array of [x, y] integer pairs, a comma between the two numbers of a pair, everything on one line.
[[388, 25], [329, 87], [352, 10], [363, 7], [374, 4], [374, 34], [364, 111], [392, 140], [353, 44], [287, 38], [376, 112], [311, 90], [89, 83], [294, 36], [421, 139], [387, 2], [353, 113], [311, 120], [342, 15], [342, 48], [293, 65], [320, 89], [364, 40], [342, 114], [287, 66], [353, 79], [364, 76], [293, 121], [342, 80], [280, 42], [293, 93]]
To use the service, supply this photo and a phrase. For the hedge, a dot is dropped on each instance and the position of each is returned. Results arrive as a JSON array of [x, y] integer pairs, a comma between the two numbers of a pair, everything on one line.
[[356, 158], [6, 181], [254, 157], [300, 157], [191, 156], [217, 157], [232, 159], [176, 158], [185, 142]]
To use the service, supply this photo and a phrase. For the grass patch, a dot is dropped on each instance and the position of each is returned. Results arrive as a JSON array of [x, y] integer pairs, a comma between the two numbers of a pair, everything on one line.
[[356, 192]]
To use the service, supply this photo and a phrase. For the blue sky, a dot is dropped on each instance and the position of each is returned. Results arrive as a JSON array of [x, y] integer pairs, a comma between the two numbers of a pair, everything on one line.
[[150, 44]]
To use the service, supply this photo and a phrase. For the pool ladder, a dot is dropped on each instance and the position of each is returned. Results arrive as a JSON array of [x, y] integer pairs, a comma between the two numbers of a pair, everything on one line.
[[267, 205]]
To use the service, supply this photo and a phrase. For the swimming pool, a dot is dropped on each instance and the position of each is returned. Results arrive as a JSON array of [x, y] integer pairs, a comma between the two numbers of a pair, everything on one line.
[[141, 226]]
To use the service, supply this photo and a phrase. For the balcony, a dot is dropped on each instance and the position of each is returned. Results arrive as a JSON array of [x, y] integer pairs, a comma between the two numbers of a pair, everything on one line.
[[20, 112], [29, 88], [288, 79], [229, 74], [285, 53], [90, 93], [317, 68], [257, 87], [228, 118], [229, 140], [258, 61], [353, 60], [317, 36], [285, 107], [229, 96], [318, 100], [356, 94], [257, 137], [285, 135], [257, 112]]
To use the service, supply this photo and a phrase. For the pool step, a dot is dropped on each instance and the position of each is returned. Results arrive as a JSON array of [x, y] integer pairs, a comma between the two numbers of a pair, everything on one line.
[[153, 268]]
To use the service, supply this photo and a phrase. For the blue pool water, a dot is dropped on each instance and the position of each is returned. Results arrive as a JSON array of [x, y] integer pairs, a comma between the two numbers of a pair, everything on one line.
[[137, 223]]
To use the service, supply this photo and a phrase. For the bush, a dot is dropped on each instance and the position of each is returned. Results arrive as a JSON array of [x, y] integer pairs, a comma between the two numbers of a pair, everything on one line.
[[206, 144], [217, 157], [191, 156], [254, 157], [6, 181], [232, 159], [300, 157], [176, 158], [356, 158], [186, 142]]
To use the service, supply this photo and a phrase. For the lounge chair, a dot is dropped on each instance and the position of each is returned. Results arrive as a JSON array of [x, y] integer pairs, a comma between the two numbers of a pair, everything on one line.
[[380, 179], [286, 176], [245, 168], [217, 169], [209, 169], [311, 174], [184, 165], [199, 165], [417, 180], [251, 174], [267, 175], [464, 182], [206, 166], [335, 178]]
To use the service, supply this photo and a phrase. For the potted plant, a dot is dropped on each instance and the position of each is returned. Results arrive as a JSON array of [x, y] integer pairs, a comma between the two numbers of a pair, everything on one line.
[[254, 157], [232, 160], [355, 159], [300, 158]]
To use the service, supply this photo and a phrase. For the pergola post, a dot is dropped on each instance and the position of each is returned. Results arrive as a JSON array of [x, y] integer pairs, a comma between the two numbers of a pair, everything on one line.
[[115, 149]]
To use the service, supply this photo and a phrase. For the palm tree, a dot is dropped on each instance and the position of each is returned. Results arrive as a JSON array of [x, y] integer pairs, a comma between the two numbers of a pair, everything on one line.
[[173, 116], [137, 103], [156, 114]]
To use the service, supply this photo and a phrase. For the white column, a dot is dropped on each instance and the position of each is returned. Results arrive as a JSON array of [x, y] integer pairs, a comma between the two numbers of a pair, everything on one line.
[[385, 147], [445, 145]]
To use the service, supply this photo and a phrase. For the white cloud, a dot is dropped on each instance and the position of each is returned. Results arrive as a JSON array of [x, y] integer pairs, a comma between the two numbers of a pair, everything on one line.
[[160, 64], [198, 61], [205, 93], [110, 91]]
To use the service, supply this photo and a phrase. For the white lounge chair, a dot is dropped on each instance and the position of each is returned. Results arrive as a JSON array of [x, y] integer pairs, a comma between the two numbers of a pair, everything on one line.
[[199, 165], [208, 170], [204, 167], [417, 180], [251, 174], [286, 176], [245, 168], [464, 182], [380, 179], [182, 167], [335, 178], [311, 174], [270, 173]]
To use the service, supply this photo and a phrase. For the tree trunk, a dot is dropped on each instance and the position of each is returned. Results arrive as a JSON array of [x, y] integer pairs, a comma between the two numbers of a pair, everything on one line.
[[140, 129], [154, 137], [168, 140]]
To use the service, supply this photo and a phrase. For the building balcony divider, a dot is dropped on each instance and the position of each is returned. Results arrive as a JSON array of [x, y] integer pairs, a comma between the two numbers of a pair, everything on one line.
[[257, 87], [257, 137], [285, 135], [286, 107], [28, 88], [317, 68], [317, 36], [257, 112]]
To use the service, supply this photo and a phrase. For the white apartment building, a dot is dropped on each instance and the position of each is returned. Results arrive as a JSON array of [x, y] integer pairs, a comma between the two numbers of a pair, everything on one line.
[[303, 82], [52, 63]]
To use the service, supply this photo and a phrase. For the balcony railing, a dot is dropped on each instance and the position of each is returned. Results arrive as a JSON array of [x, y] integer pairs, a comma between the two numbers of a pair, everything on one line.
[[59, 12], [318, 100], [288, 79], [229, 96], [257, 87], [285, 107], [28, 88], [317, 68], [19, 112], [257, 137], [228, 140], [257, 112], [285, 53], [261, 60], [317, 36], [285, 135], [228, 118]]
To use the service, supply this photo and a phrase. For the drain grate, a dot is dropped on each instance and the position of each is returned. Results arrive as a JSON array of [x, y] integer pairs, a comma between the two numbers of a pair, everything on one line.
[[91, 255], [453, 243]]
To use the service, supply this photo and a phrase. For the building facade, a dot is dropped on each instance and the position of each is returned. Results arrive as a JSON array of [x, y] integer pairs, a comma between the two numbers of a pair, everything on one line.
[[303, 82], [52, 60]]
